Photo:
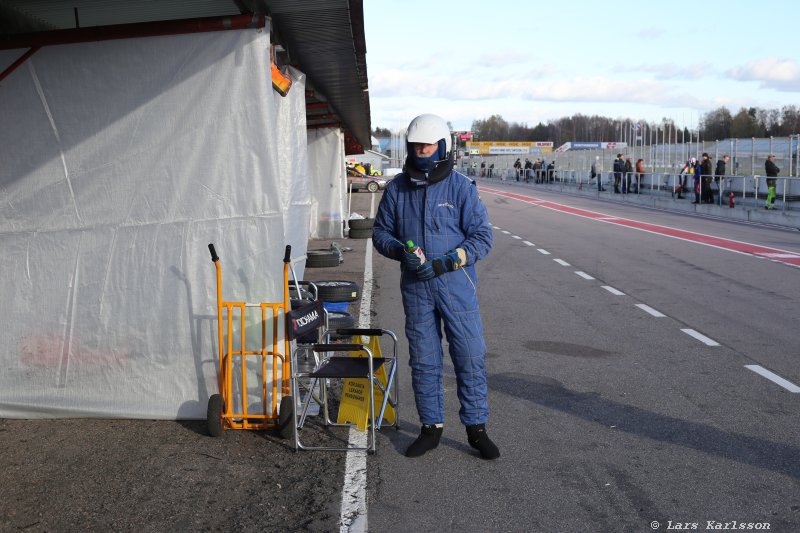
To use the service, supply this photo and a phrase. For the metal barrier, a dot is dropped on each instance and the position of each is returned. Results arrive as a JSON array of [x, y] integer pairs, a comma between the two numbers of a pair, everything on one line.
[[747, 190]]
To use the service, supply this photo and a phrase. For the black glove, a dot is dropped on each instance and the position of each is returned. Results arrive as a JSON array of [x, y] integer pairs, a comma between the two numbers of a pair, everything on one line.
[[439, 265], [399, 252]]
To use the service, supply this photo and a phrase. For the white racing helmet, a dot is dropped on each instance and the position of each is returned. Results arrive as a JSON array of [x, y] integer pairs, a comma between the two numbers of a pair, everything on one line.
[[430, 129]]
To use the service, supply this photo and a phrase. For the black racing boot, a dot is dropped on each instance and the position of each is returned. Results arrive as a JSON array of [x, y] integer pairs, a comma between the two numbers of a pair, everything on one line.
[[478, 439], [428, 439]]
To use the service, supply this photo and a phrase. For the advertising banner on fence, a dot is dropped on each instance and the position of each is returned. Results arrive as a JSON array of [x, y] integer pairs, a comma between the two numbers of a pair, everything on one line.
[[509, 147]]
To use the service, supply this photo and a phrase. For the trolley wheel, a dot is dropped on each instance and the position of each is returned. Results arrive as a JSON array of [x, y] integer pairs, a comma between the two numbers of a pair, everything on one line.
[[214, 415], [286, 418]]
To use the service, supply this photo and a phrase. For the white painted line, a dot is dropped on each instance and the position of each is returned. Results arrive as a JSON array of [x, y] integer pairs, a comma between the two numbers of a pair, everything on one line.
[[496, 227], [775, 378], [650, 310], [613, 291], [699, 336], [542, 251], [353, 511], [516, 236], [561, 262], [778, 255], [529, 243], [584, 275], [507, 232]]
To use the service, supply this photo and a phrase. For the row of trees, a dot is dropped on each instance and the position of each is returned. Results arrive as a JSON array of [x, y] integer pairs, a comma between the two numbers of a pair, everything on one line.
[[714, 125], [750, 122]]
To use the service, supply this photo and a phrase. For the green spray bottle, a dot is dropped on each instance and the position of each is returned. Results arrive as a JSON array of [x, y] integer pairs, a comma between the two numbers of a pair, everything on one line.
[[416, 250]]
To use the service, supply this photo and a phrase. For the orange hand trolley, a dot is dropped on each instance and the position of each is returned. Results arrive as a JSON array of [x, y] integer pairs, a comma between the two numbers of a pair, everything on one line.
[[222, 413]]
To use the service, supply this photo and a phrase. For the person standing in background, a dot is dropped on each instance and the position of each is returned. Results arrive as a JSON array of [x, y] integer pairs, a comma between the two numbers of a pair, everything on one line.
[[628, 168], [695, 171], [639, 173], [719, 174], [537, 170], [597, 172], [705, 174], [772, 171], [619, 170], [683, 177]]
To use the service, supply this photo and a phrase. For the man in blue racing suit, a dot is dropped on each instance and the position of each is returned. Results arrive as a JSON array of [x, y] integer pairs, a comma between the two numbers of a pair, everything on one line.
[[439, 210]]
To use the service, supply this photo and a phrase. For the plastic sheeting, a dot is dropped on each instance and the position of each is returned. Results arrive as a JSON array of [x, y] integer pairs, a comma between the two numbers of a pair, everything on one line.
[[295, 183], [125, 160], [327, 174]]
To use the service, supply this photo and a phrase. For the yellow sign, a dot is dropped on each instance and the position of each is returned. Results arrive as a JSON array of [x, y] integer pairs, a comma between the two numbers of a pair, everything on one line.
[[509, 147], [354, 407]]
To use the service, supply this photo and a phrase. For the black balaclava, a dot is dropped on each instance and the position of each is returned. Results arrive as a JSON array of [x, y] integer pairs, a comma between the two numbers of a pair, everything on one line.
[[429, 169]]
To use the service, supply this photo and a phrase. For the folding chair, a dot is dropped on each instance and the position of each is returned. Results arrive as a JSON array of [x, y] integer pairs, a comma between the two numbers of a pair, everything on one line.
[[331, 366]]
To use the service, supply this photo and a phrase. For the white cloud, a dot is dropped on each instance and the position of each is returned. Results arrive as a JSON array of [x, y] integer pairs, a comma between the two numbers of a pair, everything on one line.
[[539, 87], [671, 71], [773, 73], [502, 57], [649, 33]]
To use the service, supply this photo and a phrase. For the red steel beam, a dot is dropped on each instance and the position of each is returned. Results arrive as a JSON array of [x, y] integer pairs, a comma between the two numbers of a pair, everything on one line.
[[317, 105], [324, 125], [24, 57], [324, 116]]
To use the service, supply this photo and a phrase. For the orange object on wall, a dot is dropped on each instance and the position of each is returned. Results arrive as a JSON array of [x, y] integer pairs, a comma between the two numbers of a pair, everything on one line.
[[280, 82]]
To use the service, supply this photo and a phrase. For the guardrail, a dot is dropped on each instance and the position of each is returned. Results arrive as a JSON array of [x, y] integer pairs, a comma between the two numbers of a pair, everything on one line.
[[748, 190]]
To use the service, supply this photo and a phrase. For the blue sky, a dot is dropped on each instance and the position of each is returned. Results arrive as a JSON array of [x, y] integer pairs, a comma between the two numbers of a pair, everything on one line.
[[530, 61]]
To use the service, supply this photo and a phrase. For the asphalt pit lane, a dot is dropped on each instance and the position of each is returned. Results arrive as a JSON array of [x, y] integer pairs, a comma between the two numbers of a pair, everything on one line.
[[566, 348]]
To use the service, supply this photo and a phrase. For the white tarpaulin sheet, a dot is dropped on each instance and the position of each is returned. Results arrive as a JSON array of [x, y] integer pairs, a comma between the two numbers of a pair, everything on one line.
[[292, 153], [120, 161], [327, 172]]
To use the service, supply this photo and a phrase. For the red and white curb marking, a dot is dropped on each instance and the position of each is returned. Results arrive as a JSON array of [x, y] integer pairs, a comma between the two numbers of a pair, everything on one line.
[[746, 248]]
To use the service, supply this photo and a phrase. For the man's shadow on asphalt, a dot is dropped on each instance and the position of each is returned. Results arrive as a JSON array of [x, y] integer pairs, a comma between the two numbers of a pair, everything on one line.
[[753, 451]]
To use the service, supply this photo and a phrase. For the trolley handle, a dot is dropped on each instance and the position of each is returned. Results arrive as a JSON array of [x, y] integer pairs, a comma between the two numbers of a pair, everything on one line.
[[214, 256], [287, 258]]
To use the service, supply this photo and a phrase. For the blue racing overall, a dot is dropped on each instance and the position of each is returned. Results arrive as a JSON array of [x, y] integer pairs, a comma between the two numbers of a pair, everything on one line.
[[440, 216]]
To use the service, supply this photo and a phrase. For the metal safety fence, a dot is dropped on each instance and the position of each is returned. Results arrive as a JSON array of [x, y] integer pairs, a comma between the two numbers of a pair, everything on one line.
[[750, 191], [747, 156]]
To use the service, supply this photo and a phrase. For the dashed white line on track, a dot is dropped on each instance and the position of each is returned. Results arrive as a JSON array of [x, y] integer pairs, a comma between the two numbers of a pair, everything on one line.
[[699, 336], [561, 262], [529, 243], [650, 310], [775, 378], [613, 291], [542, 251], [516, 237], [506, 232], [584, 275]]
